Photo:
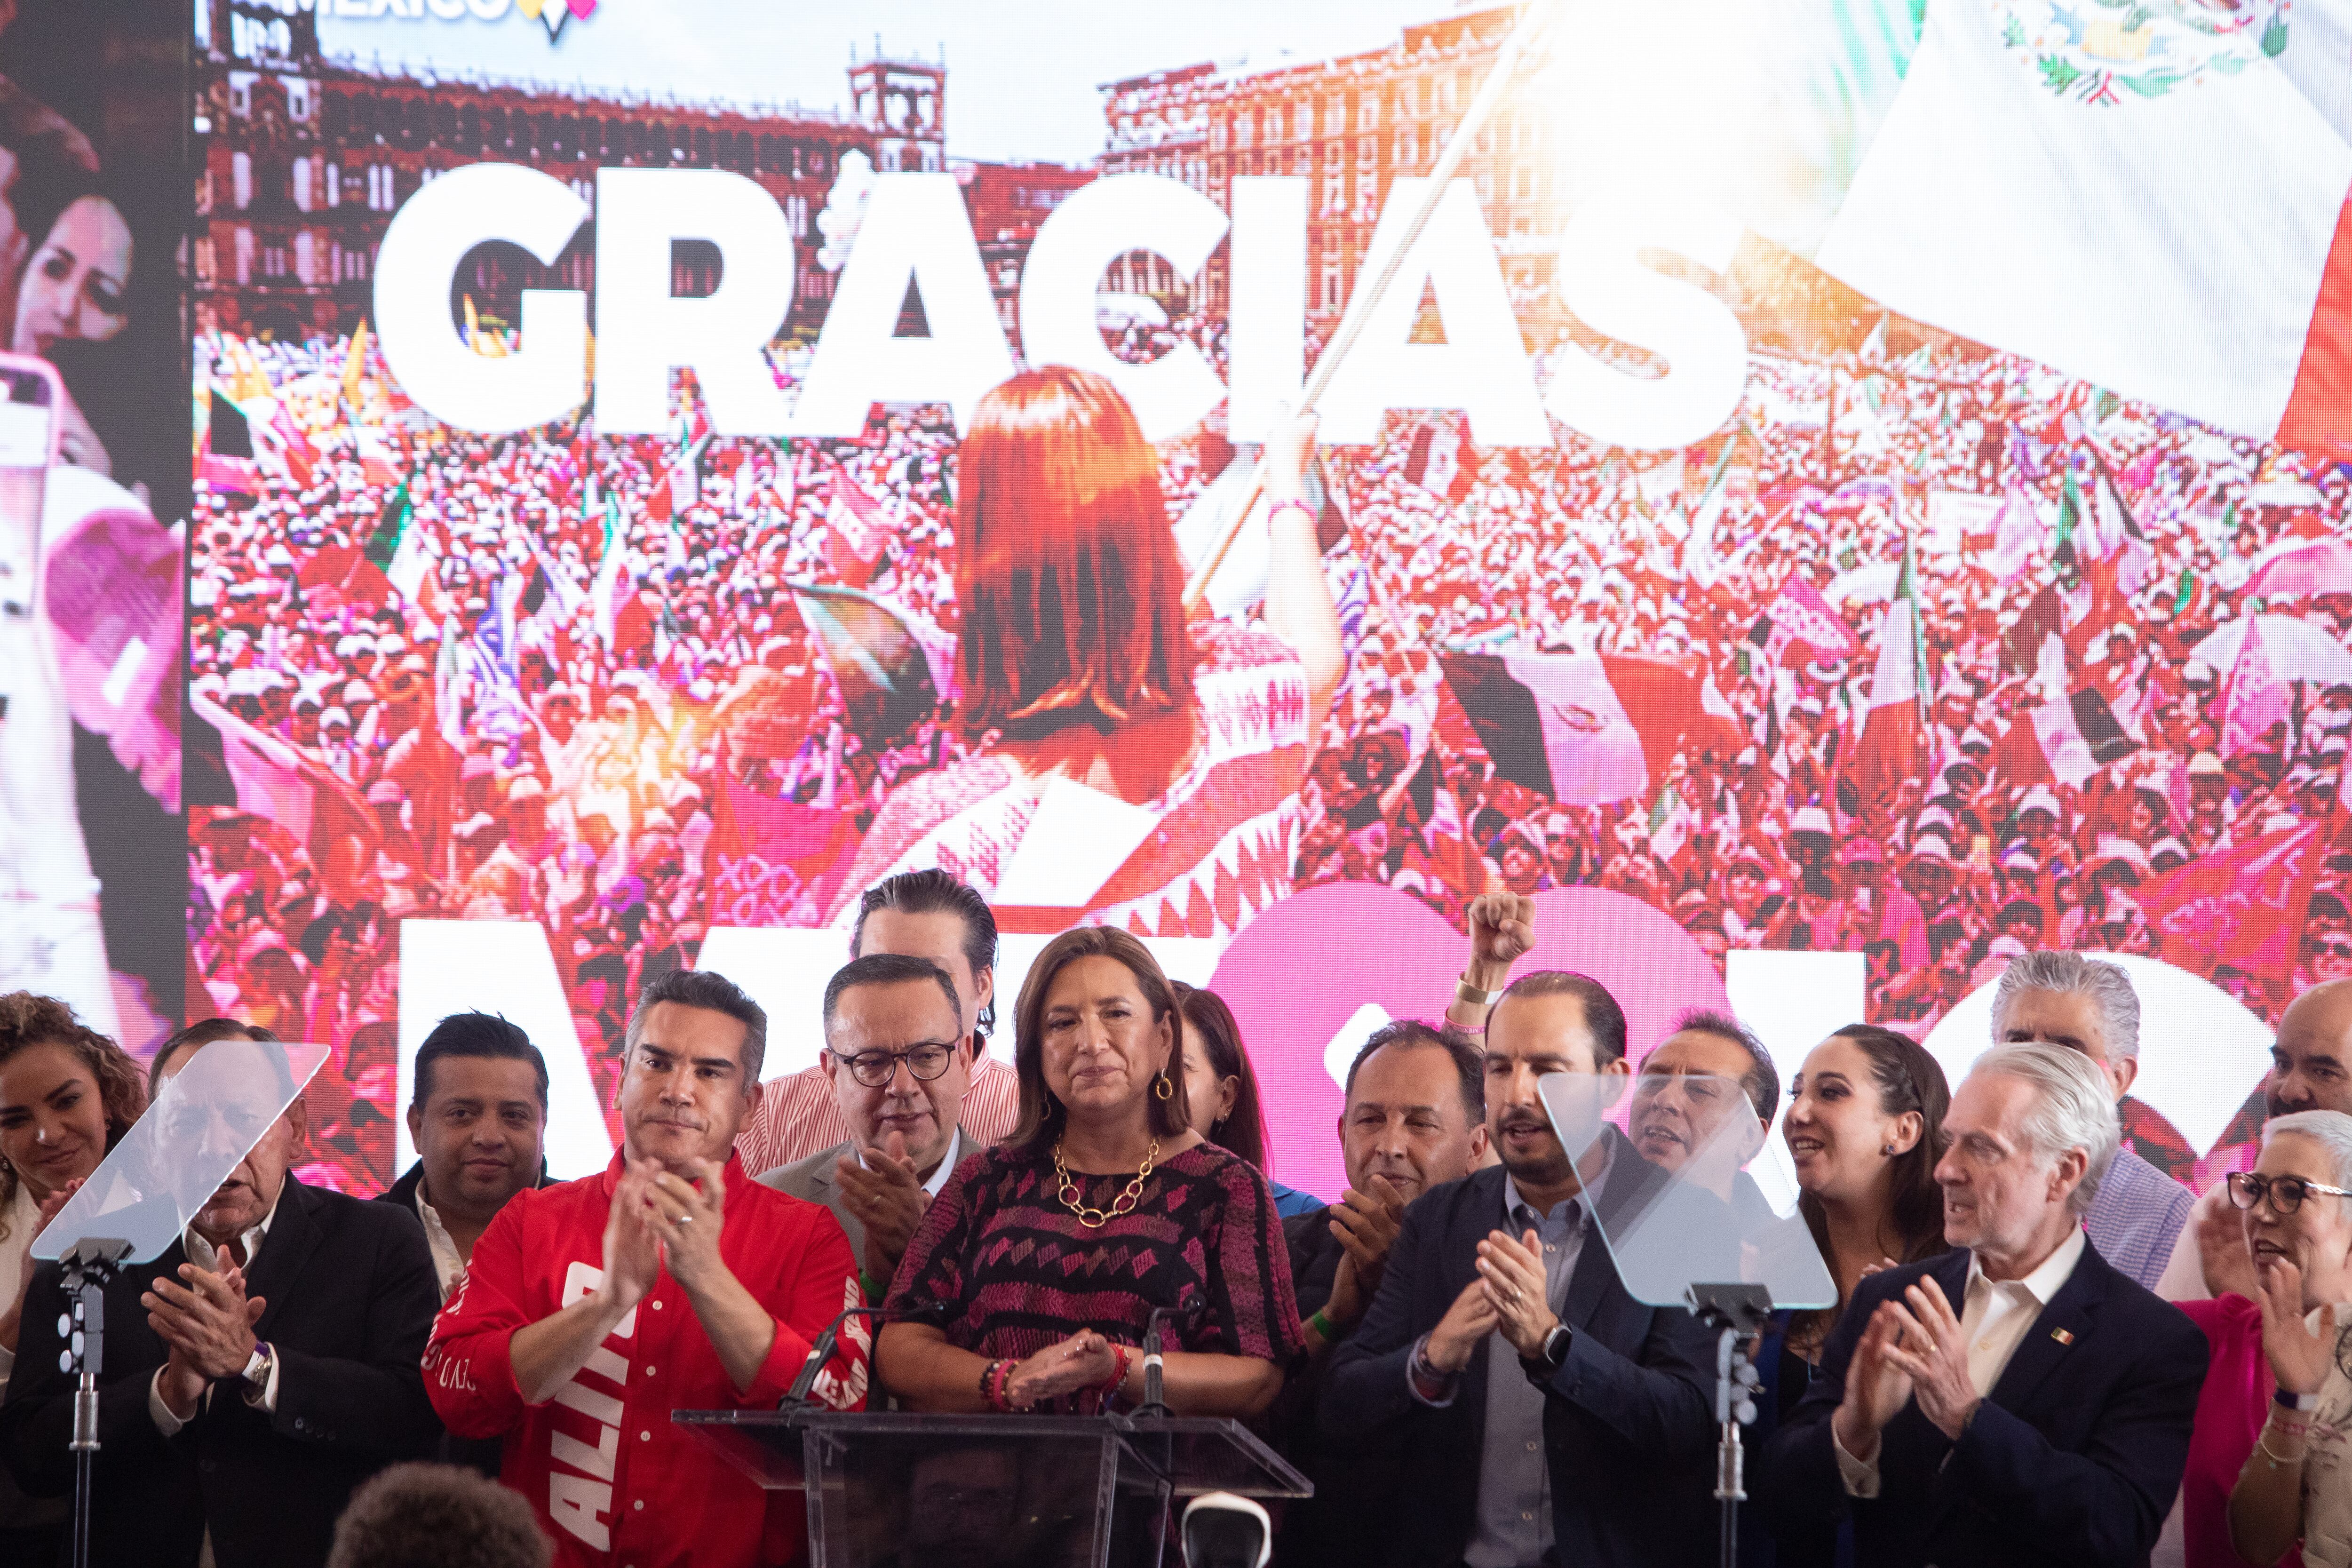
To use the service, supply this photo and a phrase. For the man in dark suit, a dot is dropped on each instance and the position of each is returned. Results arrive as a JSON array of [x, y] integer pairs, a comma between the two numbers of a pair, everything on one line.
[[2017, 1401], [478, 1115], [1547, 1415], [1414, 1119], [259, 1371], [900, 1056]]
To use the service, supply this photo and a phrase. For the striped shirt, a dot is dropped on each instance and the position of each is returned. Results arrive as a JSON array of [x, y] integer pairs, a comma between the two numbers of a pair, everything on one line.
[[2138, 1214], [800, 1114]]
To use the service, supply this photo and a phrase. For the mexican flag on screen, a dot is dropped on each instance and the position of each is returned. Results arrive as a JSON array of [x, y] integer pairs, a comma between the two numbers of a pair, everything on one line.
[[2146, 195], [1893, 727], [1587, 728]]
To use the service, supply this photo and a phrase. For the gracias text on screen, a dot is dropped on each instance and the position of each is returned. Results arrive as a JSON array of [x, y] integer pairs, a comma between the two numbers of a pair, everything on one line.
[[914, 229]]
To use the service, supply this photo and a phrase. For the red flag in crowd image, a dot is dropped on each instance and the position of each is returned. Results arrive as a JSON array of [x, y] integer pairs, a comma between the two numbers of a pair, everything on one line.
[[1799, 615], [861, 529], [2243, 907]]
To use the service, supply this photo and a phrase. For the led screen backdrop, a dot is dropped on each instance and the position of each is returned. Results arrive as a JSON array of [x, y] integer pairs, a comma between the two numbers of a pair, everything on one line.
[[1835, 494]]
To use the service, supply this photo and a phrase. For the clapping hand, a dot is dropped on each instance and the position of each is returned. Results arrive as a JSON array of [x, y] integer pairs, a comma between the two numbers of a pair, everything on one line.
[[888, 1199], [2299, 1358], [206, 1325], [631, 1250], [686, 1216], [1512, 1270], [1365, 1225], [1932, 1351], [1876, 1387]]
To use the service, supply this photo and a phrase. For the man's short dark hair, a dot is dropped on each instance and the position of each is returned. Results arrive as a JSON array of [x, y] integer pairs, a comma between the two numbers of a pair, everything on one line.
[[709, 989], [1601, 1014], [1411, 1034], [1762, 1079], [932, 891], [437, 1516], [887, 969], [483, 1035], [203, 1032]]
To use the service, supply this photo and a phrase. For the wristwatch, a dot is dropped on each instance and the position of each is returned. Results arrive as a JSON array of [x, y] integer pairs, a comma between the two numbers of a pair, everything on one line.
[[256, 1374], [1551, 1357]]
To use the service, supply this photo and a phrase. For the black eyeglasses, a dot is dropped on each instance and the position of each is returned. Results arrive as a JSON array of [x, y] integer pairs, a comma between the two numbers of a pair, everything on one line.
[[2286, 1194], [927, 1061]]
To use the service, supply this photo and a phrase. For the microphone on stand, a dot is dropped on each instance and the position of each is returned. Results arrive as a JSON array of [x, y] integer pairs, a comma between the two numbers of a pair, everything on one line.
[[819, 1354], [1189, 1308]]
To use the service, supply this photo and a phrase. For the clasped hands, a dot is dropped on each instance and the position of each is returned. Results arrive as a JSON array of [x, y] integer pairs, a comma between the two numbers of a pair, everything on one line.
[[206, 1326], [1914, 1348], [1085, 1360], [1509, 1294], [888, 1199], [657, 1219]]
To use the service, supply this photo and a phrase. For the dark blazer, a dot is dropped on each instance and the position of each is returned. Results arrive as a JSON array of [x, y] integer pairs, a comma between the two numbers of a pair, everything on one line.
[[812, 1181], [2073, 1459], [350, 1298], [1628, 1425], [1343, 1525], [483, 1455]]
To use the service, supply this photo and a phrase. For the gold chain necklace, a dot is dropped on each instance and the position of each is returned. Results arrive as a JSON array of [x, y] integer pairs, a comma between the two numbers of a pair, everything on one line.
[[1068, 1190]]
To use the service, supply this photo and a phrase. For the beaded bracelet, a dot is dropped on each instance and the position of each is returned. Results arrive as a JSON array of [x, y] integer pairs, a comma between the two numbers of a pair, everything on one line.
[[996, 1382], [1117, 1378]]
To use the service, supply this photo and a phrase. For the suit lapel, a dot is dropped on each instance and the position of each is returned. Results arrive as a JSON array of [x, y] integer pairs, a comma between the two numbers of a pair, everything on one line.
[[2070, 1313], [1482, 1212], [1596, 1271], [293, 1235]]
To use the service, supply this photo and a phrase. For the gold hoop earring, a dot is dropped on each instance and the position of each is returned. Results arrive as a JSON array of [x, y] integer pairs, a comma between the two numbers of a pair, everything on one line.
[[1161, 1088]]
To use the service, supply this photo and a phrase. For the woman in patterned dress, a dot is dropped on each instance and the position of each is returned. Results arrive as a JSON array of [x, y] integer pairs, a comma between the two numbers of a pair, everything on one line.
[[1080, 679], [1032, 1278]]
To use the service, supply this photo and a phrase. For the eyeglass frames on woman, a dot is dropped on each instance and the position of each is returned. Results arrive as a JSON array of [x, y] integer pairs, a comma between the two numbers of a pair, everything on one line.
[[2286, 1194]]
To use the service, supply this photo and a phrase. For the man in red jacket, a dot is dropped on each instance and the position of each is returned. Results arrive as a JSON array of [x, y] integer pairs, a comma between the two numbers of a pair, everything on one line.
[[671, 1281]]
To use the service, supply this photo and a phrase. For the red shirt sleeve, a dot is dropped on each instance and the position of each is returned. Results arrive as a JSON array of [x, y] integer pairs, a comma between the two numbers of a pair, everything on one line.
[[468, 1360], [817, 1282]]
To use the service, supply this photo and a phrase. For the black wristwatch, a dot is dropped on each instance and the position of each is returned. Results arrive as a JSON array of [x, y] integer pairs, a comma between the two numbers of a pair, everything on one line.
[[1552, 1357]]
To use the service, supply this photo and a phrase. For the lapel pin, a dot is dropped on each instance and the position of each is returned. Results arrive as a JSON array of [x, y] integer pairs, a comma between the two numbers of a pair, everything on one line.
[[2063, 1336]]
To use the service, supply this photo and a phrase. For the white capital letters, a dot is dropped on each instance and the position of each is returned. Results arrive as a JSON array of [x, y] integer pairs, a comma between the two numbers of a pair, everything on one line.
[[643, 330], [416, 265], [915, 228], [1601, 279], [1098, 223], [1267, 324]]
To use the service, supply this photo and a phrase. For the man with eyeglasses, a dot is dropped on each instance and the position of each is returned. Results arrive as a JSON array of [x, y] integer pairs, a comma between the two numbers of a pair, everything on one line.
[[900, 1055]]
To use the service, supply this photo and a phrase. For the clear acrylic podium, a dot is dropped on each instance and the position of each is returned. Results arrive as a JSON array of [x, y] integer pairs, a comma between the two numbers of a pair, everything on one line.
[[890, 1490]]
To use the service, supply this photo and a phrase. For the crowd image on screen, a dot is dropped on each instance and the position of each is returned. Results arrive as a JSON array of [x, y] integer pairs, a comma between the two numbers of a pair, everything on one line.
[[588, 694]]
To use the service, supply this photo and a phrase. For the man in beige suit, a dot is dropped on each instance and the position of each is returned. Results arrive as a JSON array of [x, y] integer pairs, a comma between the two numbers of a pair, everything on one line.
[[900, 1053]]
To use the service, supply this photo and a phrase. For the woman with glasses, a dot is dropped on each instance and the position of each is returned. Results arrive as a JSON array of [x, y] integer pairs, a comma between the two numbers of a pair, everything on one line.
[[2266, 1457], [1033, 1278]]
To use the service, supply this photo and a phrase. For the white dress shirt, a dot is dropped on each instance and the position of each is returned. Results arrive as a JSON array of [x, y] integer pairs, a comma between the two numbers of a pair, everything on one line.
[[448, 1266], [1995, 1318]]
